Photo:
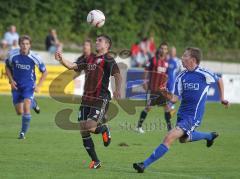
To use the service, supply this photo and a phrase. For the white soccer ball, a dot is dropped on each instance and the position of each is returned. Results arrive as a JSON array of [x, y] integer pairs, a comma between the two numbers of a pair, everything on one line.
[[96, 18]]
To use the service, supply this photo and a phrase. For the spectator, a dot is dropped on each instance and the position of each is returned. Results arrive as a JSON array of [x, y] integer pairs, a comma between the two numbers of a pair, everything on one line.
[[135, 52], [52, 43], [14, 45], [11, 35], [151, 46], [144, 55], [3, 50], [173, 56]]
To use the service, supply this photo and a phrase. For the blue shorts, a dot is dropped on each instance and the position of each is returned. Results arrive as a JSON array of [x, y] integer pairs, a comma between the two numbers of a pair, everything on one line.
[[20, 94], [187, 124]]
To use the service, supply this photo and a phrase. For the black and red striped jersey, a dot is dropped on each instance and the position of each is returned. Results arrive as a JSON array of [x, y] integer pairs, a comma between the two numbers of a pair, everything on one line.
[[98, 70], [157, 70]]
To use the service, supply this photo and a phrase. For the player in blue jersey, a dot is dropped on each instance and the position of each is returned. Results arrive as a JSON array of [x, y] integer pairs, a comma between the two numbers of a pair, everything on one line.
[[20, 69], [192, 85], [174, 68]]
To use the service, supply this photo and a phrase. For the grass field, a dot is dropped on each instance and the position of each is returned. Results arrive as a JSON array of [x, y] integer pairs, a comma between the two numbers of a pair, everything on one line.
[[51, 152]]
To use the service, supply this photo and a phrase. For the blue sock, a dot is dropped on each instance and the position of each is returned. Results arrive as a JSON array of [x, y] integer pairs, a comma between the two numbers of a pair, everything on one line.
[[158, 153], [33, 103], [201, 135], [26, 118]]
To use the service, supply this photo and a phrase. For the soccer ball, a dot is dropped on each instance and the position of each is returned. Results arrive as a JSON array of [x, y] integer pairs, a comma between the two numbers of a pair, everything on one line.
[[96, 18]]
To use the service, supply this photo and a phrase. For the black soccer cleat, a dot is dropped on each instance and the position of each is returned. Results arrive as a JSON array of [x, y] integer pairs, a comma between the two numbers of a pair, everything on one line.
[[169, 127], [214, 136], [139, 167], [36, 108]]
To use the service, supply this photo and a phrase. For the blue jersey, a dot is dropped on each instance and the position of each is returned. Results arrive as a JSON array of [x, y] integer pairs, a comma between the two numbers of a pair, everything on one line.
[[23, 67], [174, 68], [193, 86]]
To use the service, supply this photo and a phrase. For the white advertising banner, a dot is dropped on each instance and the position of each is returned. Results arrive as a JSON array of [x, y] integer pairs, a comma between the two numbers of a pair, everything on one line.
[[232, 87]]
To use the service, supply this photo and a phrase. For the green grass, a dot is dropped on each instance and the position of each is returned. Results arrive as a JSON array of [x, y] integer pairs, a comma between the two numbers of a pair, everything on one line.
[[51, 152]]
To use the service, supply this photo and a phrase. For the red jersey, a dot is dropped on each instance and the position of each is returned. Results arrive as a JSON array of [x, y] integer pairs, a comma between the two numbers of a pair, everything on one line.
[[157, 69], [98, 70]]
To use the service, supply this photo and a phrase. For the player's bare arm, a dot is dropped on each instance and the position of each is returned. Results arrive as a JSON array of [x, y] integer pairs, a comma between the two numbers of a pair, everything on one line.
[[69, 65], [221, 93], [41, 80], [118, 83]]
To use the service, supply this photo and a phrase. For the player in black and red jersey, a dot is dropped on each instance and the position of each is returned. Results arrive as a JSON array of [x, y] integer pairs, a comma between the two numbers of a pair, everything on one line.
[[155, 77], [98, 69]]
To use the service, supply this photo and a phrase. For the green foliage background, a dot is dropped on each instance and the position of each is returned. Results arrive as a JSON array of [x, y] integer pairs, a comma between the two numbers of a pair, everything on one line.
[[208, 24]]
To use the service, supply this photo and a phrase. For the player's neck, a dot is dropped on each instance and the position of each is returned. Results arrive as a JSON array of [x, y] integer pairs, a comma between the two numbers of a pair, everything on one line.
[[87, 54], [100, 53], [162, 58], [24, 53]]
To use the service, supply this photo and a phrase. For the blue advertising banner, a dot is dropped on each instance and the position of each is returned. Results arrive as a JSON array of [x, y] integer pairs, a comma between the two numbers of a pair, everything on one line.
[[134, 89]]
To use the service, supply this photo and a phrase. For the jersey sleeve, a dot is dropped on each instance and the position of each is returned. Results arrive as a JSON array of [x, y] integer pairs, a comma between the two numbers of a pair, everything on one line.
[[81, 64], [38, 62], [8, 64], [178, 88], [114, 69], [10, 55], [210, 76]]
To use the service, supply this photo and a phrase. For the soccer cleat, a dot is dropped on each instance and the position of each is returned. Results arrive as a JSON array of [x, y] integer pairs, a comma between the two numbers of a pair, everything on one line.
[[214, 136], [21, 136], [169, 127], [139, 167], [36, 108], [106, 136], [95, 165], [140, 130]]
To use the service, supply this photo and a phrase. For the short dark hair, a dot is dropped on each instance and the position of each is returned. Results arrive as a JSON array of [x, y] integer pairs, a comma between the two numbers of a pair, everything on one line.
[[163, 43], [195, 53], [25, 37], [107, 38]]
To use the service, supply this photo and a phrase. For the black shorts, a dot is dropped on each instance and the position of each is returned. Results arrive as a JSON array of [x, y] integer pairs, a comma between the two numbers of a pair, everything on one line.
[[96, 112], [156, 98]]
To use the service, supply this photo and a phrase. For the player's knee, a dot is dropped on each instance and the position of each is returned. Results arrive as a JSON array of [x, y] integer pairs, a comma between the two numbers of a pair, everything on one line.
[[168, 140], [90, 125], [82, 126]]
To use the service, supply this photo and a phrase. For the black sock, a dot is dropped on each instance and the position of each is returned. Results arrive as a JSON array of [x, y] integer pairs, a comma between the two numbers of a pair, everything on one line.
[[100, 129], [142, 118], [167, 118], [89, 146]]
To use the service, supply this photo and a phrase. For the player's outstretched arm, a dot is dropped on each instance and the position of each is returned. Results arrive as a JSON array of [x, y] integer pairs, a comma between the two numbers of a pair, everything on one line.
[[118, 83], [221, 93], [69, 65], [10, 78], [168, 95], [41, 80]]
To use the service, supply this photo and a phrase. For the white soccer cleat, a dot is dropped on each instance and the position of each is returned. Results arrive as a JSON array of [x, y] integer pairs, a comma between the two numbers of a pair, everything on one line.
[[21, 136], [140, 130]]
